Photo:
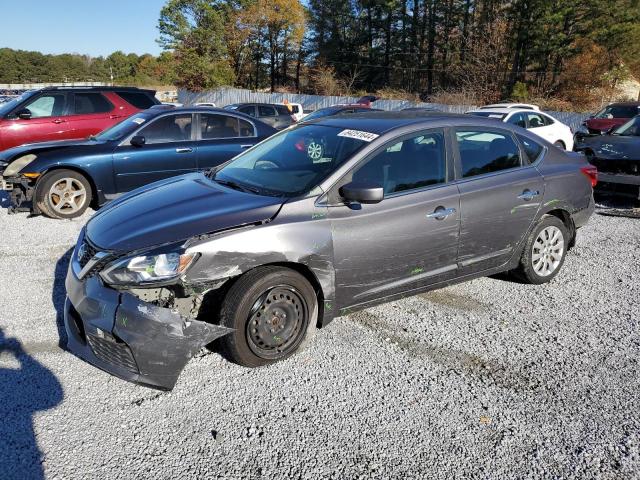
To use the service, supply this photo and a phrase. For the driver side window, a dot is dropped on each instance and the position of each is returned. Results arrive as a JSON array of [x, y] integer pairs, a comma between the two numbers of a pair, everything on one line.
[[412, 163], [172, 128], [50, 105]]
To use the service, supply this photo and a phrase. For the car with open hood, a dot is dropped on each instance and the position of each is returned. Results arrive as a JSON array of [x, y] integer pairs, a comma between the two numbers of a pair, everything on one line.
[[322, 219], [62, 179], [617, 157]]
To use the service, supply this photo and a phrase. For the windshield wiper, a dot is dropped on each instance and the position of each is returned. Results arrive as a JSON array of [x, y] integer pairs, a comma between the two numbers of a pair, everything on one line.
[[237, 186]]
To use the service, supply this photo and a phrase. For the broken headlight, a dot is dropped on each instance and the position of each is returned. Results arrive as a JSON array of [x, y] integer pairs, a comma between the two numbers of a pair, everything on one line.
[[148, 269], [17, 165]]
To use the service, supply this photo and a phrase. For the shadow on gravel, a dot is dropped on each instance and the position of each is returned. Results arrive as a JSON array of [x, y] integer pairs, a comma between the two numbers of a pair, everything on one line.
[[26, 387], [58, 295]]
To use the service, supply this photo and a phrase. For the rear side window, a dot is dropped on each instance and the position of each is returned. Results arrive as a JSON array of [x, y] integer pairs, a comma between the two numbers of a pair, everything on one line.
[[266, 111], [486, 152], [295, 109], [518, 119], [172, 128], [536, 120], [548, 120], [532, 149], [415, 162], [282, 110], [88, 103], [223, 126], [140, 100]]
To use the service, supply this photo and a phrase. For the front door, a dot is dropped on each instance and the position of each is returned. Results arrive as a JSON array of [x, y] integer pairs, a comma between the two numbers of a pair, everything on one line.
[[169, 150], [408, 240], [221, 137], [47, 122], [499, 197]]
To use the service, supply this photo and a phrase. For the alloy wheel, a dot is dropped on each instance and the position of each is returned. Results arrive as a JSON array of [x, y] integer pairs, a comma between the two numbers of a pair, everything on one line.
[[67, 195], [547, 251]]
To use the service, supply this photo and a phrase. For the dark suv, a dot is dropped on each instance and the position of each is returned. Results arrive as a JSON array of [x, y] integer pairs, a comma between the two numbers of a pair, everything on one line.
[[64, 113], [278, 116], [320, 220]]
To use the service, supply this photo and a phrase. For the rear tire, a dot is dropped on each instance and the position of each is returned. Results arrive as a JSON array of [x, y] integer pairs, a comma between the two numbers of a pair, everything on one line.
[[544, 252], [273, 312], [63, 194]]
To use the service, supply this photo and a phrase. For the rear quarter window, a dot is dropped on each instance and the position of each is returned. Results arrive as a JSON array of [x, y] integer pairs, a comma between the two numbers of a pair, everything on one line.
[[139, 100], [532, 149]]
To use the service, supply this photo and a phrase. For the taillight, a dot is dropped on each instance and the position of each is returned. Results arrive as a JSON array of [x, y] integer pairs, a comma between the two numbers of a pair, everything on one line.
[[592, 174]]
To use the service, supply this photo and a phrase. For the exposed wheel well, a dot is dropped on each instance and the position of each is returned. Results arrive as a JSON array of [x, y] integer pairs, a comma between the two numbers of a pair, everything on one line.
[[94, 190], [561, 143], [213, 300], [565, 217]]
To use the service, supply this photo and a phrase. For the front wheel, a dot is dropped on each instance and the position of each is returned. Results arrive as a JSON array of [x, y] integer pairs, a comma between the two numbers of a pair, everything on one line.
[[544, 252], [270, 309], [63, 194]]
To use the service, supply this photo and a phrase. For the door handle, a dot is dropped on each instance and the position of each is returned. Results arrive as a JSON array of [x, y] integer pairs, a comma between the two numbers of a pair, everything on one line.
[[113, 117], [528, 195], [184, 150], [441, 213], [58, 121], [245, 146]]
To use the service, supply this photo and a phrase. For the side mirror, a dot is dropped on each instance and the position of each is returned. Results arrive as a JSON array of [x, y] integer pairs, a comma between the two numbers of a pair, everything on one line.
[[362, 192], [138, 141], [24, 114]]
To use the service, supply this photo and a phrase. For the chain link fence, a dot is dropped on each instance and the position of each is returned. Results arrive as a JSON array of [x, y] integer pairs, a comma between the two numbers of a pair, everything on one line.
[[227, 96]]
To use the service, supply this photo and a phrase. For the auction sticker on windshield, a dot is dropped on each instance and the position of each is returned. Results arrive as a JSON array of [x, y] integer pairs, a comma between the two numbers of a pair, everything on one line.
[[359, 135]]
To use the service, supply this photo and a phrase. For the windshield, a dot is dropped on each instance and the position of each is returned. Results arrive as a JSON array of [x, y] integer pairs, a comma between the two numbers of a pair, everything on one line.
[[121, 129], [5, 108], [618, 111], [497, 116], [629, 129], [294, 161]]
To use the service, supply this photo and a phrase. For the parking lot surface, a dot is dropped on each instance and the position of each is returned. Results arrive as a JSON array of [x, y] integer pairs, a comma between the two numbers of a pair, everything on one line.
[[487, 379]]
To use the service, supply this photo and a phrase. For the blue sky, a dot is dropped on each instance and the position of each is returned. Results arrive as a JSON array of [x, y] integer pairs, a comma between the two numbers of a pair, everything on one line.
[[94, 27]]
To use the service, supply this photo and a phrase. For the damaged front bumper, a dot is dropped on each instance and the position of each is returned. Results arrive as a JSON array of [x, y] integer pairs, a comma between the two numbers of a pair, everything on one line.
[[21, 193], [130, 338]]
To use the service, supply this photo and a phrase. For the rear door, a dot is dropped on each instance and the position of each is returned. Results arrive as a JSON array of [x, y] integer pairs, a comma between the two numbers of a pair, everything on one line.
[[500, 194], [268, 115], [170, 149], [89, 113], [408, 240], [47, 123], [221, 137]]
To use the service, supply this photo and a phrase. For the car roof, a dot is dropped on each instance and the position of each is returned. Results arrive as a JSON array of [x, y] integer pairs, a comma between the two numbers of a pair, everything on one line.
[[162, 109], [511, 105], [97, 89], [380, 122], [624, 104], [505, 111]]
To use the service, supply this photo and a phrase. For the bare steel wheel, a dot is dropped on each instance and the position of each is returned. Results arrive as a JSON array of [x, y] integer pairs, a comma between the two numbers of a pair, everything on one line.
[[63, 194], [548, 251], [273, 312], [544, 252], [276, 321]]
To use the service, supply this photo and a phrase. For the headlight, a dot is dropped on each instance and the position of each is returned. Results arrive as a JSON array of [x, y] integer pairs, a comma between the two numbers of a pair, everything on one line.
[[17, 165], [144, 269]]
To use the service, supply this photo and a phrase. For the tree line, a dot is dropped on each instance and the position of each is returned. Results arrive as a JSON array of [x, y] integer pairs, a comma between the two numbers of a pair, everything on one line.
[[564, 51]]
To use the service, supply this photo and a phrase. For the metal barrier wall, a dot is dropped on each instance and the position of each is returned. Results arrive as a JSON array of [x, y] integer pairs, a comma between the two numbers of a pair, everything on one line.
[[226, 96]]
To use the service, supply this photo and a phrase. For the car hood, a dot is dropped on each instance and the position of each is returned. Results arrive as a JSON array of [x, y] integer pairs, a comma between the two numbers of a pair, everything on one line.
[[174, 210], [69, 147], [614, 146]]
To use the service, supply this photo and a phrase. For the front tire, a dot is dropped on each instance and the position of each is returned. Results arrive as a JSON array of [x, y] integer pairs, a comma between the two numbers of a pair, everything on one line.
[[271, 310], [545, 251], [63, 194]]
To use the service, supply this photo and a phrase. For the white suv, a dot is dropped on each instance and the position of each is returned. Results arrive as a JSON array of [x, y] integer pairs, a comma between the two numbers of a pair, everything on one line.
[[532, 119]]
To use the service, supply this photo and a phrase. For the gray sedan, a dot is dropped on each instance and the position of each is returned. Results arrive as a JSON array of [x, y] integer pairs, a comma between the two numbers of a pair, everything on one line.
[[320, 220]]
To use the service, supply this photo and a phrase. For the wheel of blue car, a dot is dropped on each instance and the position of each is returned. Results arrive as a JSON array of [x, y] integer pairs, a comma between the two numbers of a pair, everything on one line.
[[271, 311], [63, 194]]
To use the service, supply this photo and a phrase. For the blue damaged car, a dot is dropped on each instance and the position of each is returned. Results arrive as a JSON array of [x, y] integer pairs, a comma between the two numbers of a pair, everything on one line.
[[61, 179]]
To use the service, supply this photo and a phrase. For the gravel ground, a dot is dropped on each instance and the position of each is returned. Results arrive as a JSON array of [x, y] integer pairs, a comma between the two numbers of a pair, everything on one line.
[[488, 379]]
